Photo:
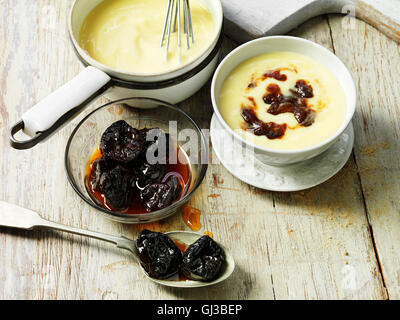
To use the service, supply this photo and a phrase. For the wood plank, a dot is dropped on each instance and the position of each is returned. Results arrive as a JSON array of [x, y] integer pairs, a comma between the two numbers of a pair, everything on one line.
[[322, 233], [54, 266], [374, 61], [301, 245]]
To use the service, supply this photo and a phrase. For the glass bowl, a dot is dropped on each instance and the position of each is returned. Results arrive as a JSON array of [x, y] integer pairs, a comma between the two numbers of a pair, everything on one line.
[[139, 113]]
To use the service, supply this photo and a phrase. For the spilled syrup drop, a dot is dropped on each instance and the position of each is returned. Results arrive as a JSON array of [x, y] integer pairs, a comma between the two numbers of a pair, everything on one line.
[[191, 217]]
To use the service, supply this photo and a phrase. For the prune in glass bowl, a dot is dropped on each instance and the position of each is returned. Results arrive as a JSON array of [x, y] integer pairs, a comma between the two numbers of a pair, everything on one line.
[[136, 185], [147, 116], [203, 259], [116, 186], [159, 255], [99, 166], [148, 174], [160, 195], [122, 143]]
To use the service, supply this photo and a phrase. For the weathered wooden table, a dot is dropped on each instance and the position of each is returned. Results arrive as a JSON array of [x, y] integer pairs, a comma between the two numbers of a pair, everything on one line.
[[340, 240]]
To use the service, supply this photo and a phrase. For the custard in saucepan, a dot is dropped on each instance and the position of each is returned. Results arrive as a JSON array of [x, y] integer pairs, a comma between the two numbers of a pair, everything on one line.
[[126, 35], [283, 100]]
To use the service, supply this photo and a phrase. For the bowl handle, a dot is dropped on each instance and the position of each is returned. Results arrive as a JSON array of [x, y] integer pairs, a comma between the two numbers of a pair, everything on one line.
[[50, 114]]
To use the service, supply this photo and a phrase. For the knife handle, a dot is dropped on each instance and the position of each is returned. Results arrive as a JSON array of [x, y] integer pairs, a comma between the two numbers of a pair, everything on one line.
[[13, 216]]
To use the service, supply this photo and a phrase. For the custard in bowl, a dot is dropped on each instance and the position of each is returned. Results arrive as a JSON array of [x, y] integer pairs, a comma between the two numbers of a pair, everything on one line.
[[279, 101], [287, 98]]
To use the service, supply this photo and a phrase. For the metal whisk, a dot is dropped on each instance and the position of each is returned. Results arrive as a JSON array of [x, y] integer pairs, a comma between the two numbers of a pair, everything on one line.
[[174, 12]]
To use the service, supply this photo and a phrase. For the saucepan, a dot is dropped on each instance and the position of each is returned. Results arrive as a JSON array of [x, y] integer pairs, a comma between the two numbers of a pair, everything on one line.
[[97, 79]]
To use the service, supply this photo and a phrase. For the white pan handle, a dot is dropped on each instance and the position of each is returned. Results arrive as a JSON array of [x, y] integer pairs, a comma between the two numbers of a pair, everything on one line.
[[47, 113], [42, 116]]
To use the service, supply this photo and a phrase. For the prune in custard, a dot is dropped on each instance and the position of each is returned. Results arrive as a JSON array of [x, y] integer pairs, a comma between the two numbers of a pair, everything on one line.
[[158, 254], [122, 143], [157, 196], [203, 259], [304, 90], [116, 186]]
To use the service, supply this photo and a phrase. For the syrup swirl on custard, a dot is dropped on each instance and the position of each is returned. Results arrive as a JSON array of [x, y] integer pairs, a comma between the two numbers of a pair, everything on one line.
[[295, 103]]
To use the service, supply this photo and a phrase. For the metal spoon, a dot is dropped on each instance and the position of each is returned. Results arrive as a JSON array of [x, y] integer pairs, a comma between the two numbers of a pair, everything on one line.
[[13, 216]]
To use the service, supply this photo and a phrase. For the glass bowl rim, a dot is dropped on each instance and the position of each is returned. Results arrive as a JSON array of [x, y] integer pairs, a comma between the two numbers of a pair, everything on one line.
[[139, 217]]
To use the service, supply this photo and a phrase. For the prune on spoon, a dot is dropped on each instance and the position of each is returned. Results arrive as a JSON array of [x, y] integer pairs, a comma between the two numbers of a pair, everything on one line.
[[158, 254], [116, 186], [203, 259], [157, 196], [122, 143], [175, 186]]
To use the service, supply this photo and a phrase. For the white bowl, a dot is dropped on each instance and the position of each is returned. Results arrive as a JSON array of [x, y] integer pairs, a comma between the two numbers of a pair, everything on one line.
[[293, 44]]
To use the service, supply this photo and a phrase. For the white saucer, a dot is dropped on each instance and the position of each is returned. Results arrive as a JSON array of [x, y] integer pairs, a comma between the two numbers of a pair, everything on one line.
[[294, 177]]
